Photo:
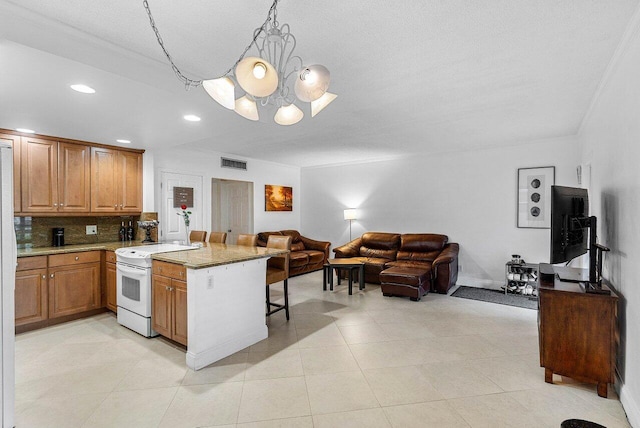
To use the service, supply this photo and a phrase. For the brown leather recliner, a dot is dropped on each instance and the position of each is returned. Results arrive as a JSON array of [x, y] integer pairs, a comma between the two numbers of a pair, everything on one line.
[[307, 255], [380, 250]]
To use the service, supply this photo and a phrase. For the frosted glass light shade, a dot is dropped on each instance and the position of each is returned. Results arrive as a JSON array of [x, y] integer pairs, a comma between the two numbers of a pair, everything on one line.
[[350, 214], [246, 108], [312, 82], [221, 90], [246, 73], [322, 102], [288, 115]]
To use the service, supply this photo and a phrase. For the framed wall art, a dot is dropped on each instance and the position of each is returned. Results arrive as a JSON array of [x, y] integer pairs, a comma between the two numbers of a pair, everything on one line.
[[278, 198], [534, 196]]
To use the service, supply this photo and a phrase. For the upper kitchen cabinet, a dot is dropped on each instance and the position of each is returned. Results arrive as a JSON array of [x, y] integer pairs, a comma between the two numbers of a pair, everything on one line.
[[116, 181], [14, 140], [55, 176]]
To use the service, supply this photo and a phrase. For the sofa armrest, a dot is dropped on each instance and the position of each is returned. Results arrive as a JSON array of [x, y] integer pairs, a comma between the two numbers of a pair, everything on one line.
[[351, 249], [312, 244], [445, 268]]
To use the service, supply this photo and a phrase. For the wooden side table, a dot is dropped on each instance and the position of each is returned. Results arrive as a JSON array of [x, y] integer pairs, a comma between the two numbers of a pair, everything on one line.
[[347, 264]]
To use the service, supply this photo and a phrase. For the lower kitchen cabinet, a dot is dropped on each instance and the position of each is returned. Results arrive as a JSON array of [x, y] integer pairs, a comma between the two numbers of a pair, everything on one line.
[[74, 283], [169, 301], [110, 282], [31, 293]]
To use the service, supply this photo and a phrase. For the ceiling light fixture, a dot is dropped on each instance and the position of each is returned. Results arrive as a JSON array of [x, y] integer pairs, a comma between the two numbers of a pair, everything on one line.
[[275, 79], [191, 118], [83, 89], [26, 130]]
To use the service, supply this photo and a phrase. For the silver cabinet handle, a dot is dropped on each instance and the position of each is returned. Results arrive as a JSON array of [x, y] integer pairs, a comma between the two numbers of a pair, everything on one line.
[[77, 258], [51, 276], [44, 276], [120, 206], [55, 205], [115, 206], [181, 273], [62, 205]]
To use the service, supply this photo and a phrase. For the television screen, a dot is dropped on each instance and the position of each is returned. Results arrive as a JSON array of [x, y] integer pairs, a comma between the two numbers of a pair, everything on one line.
[[569, 225]]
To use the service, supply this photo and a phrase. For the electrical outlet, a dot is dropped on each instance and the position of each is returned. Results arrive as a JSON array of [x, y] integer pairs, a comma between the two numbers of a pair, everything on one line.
[[92, 230]]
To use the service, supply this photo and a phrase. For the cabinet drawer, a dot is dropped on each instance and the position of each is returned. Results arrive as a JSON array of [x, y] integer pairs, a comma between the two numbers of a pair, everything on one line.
[[110, 256], [170, 270], [27, 263], [74, 258]]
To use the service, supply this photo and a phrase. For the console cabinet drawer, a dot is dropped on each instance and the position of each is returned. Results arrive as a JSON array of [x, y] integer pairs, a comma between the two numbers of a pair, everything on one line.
[[28, 263], [110, 256], [74, 258]]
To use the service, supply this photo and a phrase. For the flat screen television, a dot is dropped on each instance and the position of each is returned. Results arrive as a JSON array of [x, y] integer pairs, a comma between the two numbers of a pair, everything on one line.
[[569, 225]]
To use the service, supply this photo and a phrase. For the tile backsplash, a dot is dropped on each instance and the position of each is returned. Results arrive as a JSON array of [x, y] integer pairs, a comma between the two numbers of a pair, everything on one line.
[[34, 232]]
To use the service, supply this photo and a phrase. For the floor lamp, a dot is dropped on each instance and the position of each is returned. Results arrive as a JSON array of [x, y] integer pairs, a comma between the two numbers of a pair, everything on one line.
[[350, 214]]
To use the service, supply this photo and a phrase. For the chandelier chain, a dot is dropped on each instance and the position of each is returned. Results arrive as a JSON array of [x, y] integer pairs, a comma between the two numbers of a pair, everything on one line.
[[191, 83]]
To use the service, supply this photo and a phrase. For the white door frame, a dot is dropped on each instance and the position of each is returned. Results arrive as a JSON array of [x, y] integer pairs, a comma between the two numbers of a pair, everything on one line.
[[218, 206]]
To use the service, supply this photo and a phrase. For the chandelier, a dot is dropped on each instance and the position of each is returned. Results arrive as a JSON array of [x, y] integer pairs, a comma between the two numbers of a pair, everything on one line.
[[274, 80]]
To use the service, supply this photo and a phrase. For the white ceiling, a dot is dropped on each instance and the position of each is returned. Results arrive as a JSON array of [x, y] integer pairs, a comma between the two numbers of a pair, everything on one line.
[[411, 76]]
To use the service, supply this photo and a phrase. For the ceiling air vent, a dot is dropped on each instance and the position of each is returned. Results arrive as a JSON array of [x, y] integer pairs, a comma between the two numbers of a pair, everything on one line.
[[233, 163]]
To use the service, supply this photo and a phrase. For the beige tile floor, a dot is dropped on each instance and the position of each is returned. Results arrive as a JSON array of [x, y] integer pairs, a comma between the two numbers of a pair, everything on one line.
[[341, 361]]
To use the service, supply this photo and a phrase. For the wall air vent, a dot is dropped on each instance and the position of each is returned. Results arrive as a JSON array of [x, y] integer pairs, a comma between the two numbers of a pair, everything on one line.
[[233, 163]]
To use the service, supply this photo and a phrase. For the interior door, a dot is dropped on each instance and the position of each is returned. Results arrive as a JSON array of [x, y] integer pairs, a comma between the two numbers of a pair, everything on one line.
[[172, 226], [232, 209]]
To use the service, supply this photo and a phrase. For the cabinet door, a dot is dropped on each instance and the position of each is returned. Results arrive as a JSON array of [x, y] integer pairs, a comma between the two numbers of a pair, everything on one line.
[[104, 180], [130, 174], [31, 296], [74, 289], [39, 173], [110, 279], [179, 311], [74, 178], [161, 305], [14, 140]]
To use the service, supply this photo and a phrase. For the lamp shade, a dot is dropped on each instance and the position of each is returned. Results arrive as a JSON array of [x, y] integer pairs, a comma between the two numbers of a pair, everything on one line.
[[350, 214], [221, 90], [256, 76], [288, 115], [312, 82], [322, 102], [247, 108]]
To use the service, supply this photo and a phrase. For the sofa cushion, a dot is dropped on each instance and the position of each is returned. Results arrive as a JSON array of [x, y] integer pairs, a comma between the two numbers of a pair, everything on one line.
[[294, 234], [298, 246], [375, 253], [422, 242], [314, 256], [381, 240], [409, 264], [298, 258]]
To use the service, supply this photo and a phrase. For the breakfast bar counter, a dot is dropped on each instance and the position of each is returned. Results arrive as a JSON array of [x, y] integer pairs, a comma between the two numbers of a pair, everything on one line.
[[225, 299]]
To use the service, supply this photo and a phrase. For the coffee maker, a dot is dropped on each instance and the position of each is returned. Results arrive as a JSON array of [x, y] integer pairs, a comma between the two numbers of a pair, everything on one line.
[[58, 237]]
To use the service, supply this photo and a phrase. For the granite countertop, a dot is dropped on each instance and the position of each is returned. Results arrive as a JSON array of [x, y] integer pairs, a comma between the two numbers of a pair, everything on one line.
[[216, 255], [47, 251]]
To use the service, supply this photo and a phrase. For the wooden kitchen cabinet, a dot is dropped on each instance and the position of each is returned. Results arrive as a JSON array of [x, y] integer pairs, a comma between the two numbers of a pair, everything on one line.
[[116, 181], [110, 282], [14, 140], [54, 176], [169, 301], [31, 293], [74, 283]]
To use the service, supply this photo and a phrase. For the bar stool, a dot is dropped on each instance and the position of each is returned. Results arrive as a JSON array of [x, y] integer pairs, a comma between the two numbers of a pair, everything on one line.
[[218, 237], [247, 240], [198, 236], [278, 270]]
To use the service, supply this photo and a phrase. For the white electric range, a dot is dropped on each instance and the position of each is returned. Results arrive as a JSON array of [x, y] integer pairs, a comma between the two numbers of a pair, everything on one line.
[[133, 269]]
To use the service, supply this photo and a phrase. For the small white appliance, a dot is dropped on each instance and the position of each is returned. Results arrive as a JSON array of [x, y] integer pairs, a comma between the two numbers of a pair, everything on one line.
[[8, 252], [133, 273]]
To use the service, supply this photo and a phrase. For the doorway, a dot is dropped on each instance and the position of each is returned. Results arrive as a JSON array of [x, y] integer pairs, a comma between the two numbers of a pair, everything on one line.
[[231, 207], [172, 227]]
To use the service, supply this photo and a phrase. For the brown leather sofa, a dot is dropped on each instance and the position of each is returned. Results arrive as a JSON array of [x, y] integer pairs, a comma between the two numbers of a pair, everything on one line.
[[407, 254], [307, 255]]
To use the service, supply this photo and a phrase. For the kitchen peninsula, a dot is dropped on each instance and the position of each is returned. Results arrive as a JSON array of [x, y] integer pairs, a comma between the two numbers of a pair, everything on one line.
[[225, 303]]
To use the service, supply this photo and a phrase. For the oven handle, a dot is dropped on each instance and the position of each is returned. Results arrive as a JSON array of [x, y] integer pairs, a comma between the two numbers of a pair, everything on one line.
[[130, 270]]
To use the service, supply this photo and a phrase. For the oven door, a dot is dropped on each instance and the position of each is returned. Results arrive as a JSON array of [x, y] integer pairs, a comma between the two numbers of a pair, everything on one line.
[[134, 289]]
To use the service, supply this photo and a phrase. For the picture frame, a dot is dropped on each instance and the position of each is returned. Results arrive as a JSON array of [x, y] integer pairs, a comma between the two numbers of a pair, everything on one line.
[[534, 197], [278, 198]]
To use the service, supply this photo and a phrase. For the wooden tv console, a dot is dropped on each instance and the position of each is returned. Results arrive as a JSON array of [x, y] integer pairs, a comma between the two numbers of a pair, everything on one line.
[[578, 333]]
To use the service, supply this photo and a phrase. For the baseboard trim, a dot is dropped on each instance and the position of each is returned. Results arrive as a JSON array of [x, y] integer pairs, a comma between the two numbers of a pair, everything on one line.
[[211, 355], [631, 408]]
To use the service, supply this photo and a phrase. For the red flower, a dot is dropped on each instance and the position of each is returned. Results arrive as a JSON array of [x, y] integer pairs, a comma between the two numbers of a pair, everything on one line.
[[183, 206]]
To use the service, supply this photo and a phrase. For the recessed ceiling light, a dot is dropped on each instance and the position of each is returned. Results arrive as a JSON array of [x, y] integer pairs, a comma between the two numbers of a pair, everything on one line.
[[83, 88], [124, 141], [191, 118], [26, 130]]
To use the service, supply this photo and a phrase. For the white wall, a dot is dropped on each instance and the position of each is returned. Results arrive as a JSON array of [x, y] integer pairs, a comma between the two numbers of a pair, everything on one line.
[[610, 140], [208, 166], [469, 196]]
